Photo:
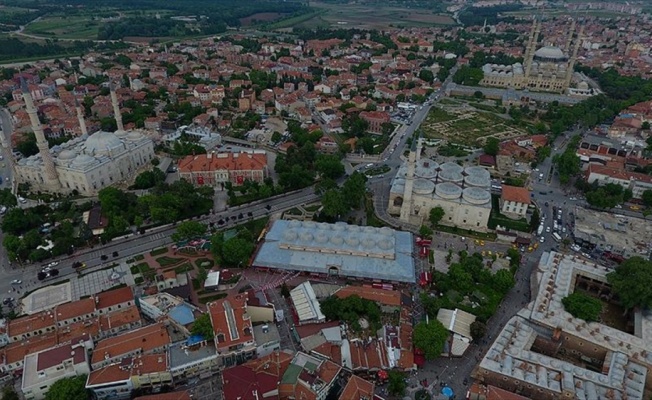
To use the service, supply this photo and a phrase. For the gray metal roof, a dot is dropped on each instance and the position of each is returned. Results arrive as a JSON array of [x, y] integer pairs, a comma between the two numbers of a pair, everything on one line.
[[357, 251]]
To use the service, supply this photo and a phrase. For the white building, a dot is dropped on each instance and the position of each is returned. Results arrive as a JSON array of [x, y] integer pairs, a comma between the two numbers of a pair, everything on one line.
[[164, 306], [44, 368], [201, 135], [514, 201], [306, 304]]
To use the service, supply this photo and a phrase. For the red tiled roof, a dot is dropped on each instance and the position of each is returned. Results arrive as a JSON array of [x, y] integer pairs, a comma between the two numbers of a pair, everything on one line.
[[386, 297], [261, 376], [515, 193], [58, 355], [224, 161], [357, 389], [236, 305], [184, 395], [114, 297], [144, 339]]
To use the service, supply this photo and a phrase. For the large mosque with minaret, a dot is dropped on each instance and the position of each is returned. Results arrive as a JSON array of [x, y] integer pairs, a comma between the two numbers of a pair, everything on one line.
[[85, 164], [545, 69]]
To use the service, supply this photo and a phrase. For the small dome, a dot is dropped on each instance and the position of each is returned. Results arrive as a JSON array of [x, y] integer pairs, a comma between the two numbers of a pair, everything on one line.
[[306, 236], [290, 235], [133, 135], [83, 161], [448, 191], [583, 85], [451, 166], [337, 240], [550, 53], [352, 241], [423, 187], [385, 244], [67, 155], [101, 143], [321, 237], [475, 195]]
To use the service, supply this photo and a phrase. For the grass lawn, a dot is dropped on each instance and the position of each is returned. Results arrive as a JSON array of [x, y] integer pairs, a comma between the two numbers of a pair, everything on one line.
[[65, 27], [183, 268], [158, 252], [372, 220], [312, 207], [168, 261]]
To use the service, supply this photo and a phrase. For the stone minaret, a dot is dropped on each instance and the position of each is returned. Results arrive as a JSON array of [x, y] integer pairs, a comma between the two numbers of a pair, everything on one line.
[[80, 118], [569, 39], [50, 178], [571, 64], [6, 150], [406, 207], [533, 48], [529, 46], [116, 107]]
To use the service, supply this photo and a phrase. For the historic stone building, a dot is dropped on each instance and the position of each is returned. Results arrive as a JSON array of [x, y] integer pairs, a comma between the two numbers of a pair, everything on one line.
[[545, 69], [85, 164], [422, 184]]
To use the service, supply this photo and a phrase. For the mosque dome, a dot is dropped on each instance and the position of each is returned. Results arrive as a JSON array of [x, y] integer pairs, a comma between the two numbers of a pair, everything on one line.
[[583, 85], [67, 155], [133, 135], [550, 53], [83, 161], [101, 143]]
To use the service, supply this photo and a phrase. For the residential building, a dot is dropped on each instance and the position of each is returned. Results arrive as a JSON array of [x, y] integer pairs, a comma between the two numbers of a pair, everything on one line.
[[308, 377], [194, 357], [44, 368], [219, 168], [234, 334], [357, 389], [146, 340], [514, 201], [256, 379], [635, 181], [166, 307], [182, 395], [268, 339], [376, 120]]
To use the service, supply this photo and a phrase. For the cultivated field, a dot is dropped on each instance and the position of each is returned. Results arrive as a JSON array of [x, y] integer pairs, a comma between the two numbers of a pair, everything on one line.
[[372, 17], [466, 126]]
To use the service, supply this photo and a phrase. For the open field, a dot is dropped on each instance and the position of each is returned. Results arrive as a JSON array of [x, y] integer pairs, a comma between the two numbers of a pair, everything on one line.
[[372, 17], [557, 12], [78, 27], [467, 127], [260, 17]]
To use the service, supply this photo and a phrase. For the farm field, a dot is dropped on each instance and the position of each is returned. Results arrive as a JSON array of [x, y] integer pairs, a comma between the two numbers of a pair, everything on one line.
[[372, 17]]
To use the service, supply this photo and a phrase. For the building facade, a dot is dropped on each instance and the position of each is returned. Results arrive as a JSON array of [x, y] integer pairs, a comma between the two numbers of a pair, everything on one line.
[[219, 168], [514, 201]]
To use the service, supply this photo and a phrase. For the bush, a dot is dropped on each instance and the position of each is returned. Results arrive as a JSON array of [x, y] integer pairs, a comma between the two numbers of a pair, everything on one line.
[[158, 252]]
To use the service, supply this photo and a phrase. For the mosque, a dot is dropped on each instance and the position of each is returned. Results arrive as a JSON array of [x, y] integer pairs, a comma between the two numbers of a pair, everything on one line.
[[422, 184], [85, 164], [544, 69]]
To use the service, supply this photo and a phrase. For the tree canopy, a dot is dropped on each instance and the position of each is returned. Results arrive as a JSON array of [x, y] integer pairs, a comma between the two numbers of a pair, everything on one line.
[[430, 338], [68, 388], [436, 214], [203, 327], [189, 230], [632, 282], [582, 306], [492, 146], [396, 384], [235, 251], [350, 310]]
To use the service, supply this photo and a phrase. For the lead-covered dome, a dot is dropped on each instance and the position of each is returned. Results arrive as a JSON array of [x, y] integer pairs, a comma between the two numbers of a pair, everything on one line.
[[101, 143], [550, 53]]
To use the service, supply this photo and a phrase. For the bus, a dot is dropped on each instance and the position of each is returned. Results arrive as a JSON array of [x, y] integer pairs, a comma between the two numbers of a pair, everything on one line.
[[556, 236]]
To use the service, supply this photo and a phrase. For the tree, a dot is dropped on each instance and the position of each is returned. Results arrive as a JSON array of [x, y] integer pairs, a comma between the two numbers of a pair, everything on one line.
[[68, 388], [425, 231], [632, 282], [8, 393], [285, 291], [202, 275], [534, 220], [354, 189], [203, 327], [149, 179], [329, 166], [189, 230], [645, 125], [7, 198], [236, 251], [478, 330], [491, 146], [430, 338], [426, 75], [647, 198], [503, 280], [582, 306], [334, 205], [436, 215], [396, 383]]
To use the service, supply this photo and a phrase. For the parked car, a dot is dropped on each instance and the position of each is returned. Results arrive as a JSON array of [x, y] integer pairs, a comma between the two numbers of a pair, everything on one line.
[[16, 282]]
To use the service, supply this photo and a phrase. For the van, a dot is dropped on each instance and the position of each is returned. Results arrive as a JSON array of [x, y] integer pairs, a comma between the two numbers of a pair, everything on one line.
[[556, 236]]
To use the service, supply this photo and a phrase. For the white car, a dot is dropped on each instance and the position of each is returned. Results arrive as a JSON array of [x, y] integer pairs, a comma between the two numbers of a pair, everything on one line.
[[53, 264], [547, 229], [16, 282], [22, 199], [543, 239]]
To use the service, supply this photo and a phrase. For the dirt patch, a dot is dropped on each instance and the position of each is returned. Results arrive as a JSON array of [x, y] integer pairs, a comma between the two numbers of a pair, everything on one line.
[[260, 17]]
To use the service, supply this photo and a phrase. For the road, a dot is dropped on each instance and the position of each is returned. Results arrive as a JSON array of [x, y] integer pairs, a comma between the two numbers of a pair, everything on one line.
[[138, 244]]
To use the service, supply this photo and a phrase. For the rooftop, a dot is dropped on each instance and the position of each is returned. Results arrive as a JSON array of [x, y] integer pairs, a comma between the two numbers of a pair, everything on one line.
[[181, 354], [224, 161], [305, 303], [616, 233], [357, 389], [260, 375], [144, 339], [41, 363], [385, 297], [267, 333], [516, 194], [114, 297], [231, 324], [348, 250], [182, 395]]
